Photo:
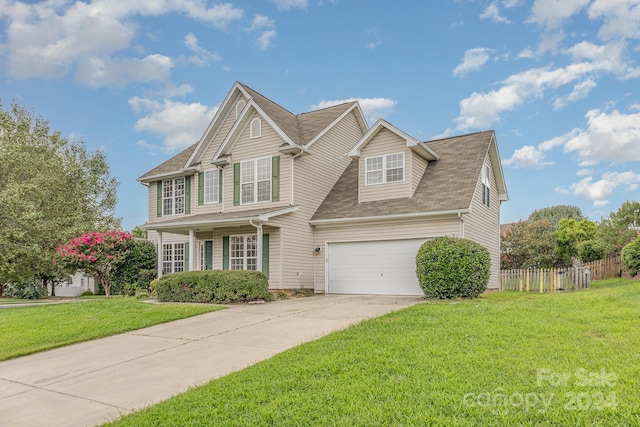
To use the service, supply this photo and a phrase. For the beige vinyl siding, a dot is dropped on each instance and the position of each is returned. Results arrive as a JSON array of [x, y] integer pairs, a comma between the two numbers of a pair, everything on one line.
[[483, 224], [221, 134], [418, 167], [275, 250], [153, 200], [385, 142], [383, 230], [315, 175], [248, 149]]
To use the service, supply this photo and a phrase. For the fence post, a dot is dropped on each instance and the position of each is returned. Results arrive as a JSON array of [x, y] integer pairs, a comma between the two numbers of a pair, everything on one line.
[[541, 280]]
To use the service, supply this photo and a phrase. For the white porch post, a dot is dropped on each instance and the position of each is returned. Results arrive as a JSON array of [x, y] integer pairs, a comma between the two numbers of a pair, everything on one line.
[[159, 254], [192, 250], [258, 227]]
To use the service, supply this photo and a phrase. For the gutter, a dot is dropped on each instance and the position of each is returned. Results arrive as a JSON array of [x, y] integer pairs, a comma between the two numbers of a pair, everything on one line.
[[330, 221]]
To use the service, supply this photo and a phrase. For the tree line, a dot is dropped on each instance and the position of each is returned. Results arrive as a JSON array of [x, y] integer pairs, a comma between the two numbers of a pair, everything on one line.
[[556, 236]]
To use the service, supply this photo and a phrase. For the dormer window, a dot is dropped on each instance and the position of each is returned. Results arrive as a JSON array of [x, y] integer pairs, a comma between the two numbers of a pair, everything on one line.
[[239, 107], [384, 169], [256, 128]]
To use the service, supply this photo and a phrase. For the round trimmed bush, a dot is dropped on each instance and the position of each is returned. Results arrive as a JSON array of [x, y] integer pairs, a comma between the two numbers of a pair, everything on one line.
[[451, 267], [631, 257]]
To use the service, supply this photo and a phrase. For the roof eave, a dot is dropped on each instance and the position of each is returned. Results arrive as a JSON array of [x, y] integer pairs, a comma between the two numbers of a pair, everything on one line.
[[151, 178], [414, 215]]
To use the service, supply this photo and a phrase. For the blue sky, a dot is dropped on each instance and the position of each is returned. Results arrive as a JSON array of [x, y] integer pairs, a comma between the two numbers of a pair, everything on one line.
[[141, 79]]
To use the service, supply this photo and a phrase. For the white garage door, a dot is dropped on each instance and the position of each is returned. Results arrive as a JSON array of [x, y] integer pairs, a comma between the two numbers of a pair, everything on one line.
[[381, 267]]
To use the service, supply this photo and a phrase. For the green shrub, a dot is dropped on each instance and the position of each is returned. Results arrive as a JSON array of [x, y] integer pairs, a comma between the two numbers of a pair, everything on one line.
[[450, 267], [26, 291], [86, 294], [129, 289], [214, 286], [631, 257]]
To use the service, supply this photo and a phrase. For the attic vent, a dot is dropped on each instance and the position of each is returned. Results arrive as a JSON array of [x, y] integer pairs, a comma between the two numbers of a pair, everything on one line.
[[239, 107], [256, 128]]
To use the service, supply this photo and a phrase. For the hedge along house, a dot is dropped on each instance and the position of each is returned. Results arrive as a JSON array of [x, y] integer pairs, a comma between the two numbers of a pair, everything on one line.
[[319, 200]]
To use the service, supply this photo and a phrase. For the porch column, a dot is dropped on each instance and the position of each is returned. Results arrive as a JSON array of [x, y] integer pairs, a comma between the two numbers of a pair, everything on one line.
[[159, 254], [192, 250], [258, 227]]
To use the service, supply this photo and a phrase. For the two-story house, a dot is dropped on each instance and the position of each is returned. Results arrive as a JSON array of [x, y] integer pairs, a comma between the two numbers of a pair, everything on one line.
[[319, 200]]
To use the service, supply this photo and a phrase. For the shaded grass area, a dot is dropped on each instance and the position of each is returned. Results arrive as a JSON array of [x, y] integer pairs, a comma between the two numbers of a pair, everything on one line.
[[27, 330], [493, 361]]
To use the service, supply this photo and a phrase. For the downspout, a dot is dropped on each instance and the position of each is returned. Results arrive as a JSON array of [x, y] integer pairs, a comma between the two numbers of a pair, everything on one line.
[[293, 179], [258, 244], [461, 224]]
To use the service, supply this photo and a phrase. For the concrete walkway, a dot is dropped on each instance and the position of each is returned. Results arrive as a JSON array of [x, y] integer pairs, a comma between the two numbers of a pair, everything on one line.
[[94, 382]]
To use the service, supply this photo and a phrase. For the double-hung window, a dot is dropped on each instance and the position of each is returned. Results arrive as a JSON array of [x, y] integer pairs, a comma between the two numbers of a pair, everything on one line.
[[255, 181], [211, 186], [384, 169], [243, 252], [173, 257], [486, 187], [173, 193]]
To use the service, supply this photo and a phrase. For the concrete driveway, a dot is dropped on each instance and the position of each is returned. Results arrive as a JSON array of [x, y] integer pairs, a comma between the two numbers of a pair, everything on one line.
[[94, 382]]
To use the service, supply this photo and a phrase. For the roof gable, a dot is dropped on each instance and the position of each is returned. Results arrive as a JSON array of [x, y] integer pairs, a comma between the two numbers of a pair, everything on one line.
[[172, 166], [447, 185], [417, 146]]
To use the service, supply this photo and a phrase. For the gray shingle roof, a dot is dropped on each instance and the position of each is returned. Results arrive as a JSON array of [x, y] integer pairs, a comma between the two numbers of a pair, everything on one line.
[[447, 184], [300, 128], [174, 164]]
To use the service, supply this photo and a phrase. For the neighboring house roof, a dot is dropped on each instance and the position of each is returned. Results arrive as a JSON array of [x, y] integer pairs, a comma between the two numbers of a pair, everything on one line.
[[447, 185], [504, 228]]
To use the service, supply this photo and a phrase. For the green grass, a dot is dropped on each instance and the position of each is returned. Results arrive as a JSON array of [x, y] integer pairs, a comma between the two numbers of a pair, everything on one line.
[[27, 330], [467, 363]]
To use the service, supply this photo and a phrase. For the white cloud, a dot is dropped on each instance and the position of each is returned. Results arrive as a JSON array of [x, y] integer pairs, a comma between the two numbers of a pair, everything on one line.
[[372, 108], [290, 4], [120, 72], [532, 157], [580, 91], [552, 13], [481, 110], [179, 124], [473, 60], [265, 39], [492, 12], [528, 54], [52, 39], [599, 191], [621, 18], [202, 56], [610, 137], [260, 22]]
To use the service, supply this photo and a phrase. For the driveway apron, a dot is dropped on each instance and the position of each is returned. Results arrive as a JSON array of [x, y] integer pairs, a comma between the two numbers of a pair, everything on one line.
[[90, 383]]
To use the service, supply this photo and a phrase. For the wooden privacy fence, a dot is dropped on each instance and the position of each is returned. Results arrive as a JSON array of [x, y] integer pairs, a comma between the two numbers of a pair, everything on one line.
[[545, 279], [606, 268]]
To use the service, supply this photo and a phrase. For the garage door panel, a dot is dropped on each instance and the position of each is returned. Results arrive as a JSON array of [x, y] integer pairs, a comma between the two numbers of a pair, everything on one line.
[[378, 267]]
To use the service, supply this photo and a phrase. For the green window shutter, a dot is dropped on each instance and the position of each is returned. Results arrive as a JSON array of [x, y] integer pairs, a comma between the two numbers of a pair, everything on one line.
[[159, 211], [225, 253], [220, 186], [208, 255], [186, 256], [265, 254], [200, 188], [187, 194], [236, 184], [275, 179]]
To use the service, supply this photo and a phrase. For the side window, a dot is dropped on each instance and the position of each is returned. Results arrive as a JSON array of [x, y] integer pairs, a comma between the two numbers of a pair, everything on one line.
[[486, 186], [256, 128]]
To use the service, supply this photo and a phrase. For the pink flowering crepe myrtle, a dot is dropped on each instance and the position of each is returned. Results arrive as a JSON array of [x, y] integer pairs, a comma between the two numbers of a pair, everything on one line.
[[96, 253]]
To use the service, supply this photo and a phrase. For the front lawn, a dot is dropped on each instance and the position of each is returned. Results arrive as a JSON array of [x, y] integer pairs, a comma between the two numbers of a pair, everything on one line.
[[505, 359], [27, 330]]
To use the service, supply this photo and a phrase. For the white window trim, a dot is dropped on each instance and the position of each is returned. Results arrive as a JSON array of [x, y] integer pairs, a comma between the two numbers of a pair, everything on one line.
[[252, 135], [216, 186], [173, 196], [172, 261], [486, 186], [256, 181], [244, 257], [384, 169]]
